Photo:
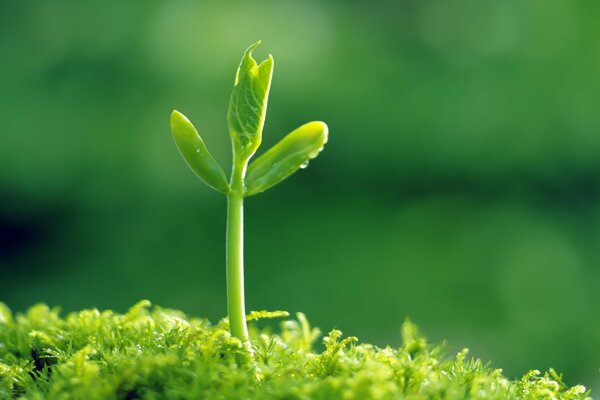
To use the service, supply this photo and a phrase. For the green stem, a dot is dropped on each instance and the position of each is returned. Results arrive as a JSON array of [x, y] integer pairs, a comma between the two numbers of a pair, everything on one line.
[[235, 256]]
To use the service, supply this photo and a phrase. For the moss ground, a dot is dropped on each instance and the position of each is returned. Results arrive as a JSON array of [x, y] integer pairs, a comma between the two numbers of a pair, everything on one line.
[[154, 353]]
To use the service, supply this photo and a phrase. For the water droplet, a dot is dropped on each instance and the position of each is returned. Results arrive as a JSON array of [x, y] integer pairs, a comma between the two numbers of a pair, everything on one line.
[[304, 165], [197, 150]]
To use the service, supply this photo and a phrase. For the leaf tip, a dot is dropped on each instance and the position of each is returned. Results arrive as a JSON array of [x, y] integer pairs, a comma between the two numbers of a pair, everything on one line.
[[317, 129], [266, 63], [322, 126], [250, 49], [181, 126], [178, 119]]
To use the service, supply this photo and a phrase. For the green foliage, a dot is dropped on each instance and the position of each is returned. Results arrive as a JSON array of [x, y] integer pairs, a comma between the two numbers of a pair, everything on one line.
[[195, 153], [453, 157], [152, 353], [248, 104], [293, 152], [246, 118]]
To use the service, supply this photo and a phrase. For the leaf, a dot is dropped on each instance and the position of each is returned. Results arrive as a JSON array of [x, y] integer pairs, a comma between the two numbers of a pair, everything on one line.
[[248, 103], [194, 151], [264, 314], [5, 314], [293, 152]]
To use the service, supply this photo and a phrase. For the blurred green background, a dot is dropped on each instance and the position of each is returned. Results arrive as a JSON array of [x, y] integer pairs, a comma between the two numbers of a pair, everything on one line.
[[460, 185]]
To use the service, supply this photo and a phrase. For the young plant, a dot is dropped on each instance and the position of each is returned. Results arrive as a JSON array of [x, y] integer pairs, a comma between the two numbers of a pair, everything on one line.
[[246, 118]]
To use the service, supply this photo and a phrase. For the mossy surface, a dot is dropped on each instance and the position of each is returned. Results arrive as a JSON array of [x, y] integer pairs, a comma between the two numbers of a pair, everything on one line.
[[153, 353]]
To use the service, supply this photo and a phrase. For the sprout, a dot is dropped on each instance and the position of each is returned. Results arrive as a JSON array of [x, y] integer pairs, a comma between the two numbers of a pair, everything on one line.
[[246, 118]]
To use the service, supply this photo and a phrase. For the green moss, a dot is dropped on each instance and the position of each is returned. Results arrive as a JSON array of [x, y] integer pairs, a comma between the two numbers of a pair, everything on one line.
[[153, 353]]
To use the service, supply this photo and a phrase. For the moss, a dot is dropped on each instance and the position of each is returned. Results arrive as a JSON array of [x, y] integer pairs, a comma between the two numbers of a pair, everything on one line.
[[154, 353]]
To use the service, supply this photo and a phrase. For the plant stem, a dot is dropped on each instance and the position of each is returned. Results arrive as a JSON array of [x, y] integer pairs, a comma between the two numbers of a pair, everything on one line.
[[235, 256]]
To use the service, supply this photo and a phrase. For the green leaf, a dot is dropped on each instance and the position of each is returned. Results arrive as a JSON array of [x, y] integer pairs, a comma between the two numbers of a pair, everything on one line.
[[248, 104], [5, 314], [293, 152], [194, 152]]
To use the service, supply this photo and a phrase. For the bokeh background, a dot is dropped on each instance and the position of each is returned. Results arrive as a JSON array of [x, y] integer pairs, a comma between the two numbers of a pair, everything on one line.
[[460, 186]]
